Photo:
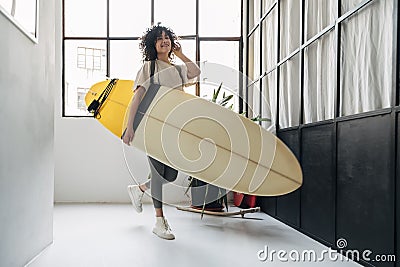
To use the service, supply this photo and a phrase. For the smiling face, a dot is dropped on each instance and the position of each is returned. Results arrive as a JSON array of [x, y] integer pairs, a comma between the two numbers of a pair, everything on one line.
[[163, 44], [158, 42]]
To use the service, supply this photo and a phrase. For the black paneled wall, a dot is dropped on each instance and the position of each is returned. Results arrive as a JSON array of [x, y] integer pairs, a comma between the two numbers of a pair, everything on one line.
[[349, 189], [365, 184], [288, 206], [318, 190]]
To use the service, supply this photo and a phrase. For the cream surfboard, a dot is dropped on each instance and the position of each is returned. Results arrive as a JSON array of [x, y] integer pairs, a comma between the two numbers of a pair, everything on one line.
[[211, 143]]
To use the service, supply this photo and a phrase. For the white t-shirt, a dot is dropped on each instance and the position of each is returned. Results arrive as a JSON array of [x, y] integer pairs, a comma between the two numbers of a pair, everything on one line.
[[165, 74]]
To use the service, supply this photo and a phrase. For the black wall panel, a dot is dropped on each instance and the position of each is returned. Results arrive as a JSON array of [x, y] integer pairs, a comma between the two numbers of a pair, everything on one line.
[[267, 205], [318, 189], [288, 206], [349, 189], [365, 184]]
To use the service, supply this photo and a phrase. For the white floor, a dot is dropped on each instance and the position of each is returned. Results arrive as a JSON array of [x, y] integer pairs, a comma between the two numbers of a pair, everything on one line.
[[115, 235]]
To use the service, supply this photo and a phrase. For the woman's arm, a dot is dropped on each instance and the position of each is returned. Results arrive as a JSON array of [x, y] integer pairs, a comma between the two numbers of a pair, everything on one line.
[[192, 69], [129, 132]]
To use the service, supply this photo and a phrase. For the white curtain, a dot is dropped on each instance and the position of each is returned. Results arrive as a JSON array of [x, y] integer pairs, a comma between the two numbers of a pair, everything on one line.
[[254, 13], [269, 61], [255, 40], [349, 4], [254, 67], [290, 24], [366, 58], [318, 15], [267, 4], [269, 36], [269, 101], [289, 89], [289, 93], [255, 110], [319, 61], [319, 79]]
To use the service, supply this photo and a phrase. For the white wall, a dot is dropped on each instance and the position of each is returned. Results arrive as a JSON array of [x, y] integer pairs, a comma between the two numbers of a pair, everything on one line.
[[90, 164], [26, 143]]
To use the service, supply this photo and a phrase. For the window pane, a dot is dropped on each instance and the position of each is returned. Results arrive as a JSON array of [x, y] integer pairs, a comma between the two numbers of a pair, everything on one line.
[[190, 90], [366, 59], [257, 11], [189, 49], [253, 100], [319, 14], [169, 14], [254, 13], [224, 52], [25, 14], [81, 93], [222, 66], [129, 17], [254, 55], [269, 42], [81, 61], [126, 59], [7, 5], [213, 22], [207, 91], [80, 76], [256, 105], [319, 79], [267, 5], [289, 93], [269, 99], [85, 18], [81, 51], [349, 4], [290, 24]]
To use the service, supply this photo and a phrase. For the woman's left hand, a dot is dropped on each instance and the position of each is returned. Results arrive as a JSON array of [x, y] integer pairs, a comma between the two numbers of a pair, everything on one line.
[[177, 49]]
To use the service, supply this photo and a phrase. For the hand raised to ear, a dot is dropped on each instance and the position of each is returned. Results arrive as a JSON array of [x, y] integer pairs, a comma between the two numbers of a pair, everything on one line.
[[177, 49]]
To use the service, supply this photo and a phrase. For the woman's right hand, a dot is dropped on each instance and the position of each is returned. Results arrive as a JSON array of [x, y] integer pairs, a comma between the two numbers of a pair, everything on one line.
[[128, 136]]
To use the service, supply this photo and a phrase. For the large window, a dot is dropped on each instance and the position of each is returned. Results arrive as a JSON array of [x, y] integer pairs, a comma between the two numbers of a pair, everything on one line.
[[101, 39], [314, 60]]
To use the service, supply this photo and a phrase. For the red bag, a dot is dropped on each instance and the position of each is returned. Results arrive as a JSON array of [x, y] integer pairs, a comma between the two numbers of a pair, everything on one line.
[[243, 200], [237, 198]]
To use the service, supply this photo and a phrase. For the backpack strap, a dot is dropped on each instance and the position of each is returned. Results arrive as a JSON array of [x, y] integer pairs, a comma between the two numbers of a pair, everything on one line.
[[152, 69], [148, 97]]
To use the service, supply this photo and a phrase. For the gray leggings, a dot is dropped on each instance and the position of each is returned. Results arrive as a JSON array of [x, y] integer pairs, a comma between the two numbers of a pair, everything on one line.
[[160, 174]]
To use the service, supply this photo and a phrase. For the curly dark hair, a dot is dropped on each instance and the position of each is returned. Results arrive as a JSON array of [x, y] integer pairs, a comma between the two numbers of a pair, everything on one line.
[[149, 39]]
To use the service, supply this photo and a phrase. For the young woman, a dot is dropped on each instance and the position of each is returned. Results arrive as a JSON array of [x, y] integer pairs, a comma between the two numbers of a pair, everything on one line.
[[159, 44]]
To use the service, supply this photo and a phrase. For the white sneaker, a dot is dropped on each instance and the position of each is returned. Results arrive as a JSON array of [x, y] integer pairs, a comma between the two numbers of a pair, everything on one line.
[[162, 229], [136, 195]]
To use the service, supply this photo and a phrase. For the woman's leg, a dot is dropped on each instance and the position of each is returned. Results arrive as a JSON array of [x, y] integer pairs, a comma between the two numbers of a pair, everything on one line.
[[160, 174], [145, 185]]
